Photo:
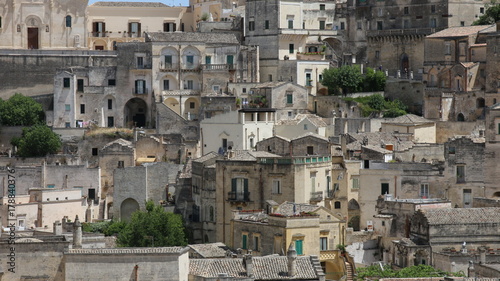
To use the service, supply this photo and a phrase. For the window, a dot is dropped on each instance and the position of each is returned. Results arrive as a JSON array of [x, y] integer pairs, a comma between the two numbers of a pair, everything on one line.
[[66, 82], [190, 61], [342, 25], [266, 24], [276, 187], [433, 22], [230, 59], [191, 105], [321, 7], [111, 82], [359, 25], [424, 190], [79, 85], [92, 193], [447, 48], [68, 21], [377, 54], [51, 185], [216, 88], [140, 62], [451, 150], [481, 10], [94, 151], [289, 98], [310, 150], [323, 243], [462, 23], [82, 108], [98, 29], [134, 28], [140, 87], [308, 79], [169, 27], [498, 132], [380, 25], [244, 241], [111, 121], [166, 85], [270, 78], [320, 77], [211, 213], [290, 23], [467, 193], [239, 189], [337, 205], [0, 22], [67, 107], [110, 104], [299, 247], [406, 24], [256, 242], [433, 8], [121, 164], [460, 173], [305, 127], [251, 25], [406, 10], [384, 188], [321, 24], [208, 59], [189, 84], [168, 61], [355, 182]]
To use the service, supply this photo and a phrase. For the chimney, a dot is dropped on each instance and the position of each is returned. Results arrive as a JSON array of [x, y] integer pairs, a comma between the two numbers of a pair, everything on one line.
[[482, 254], [292, 260], [57, 228], [77, 234], [247, 262]]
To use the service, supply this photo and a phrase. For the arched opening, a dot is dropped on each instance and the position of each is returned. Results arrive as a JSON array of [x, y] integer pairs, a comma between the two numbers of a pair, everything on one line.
[[460, 117], [354, 223], [191, 82], [169, 83], [334, 50], [190, 58], [480, 103], [173, 104], [496, 194], [135, 113], [353, 205], [336, 205], [33, 24], [191, 106], [169, 58], [405, 65], [99, 44], [128, 206]]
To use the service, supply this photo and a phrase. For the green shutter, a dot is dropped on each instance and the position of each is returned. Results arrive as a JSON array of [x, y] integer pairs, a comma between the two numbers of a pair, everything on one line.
[[208, 60], [244, 242], [245, 185], [298, 247], [230, 59], [233, 185]]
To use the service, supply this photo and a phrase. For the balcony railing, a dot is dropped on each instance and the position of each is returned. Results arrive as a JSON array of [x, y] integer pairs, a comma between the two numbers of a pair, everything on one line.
[[317, 196], [168, 66], [143, 66], [238, 196], [110, 34], [218, 67], [139, 91]]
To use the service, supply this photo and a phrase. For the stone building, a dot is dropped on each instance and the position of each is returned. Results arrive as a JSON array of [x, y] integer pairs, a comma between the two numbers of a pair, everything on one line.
[[455, 77], [43, 24], [422, 130], [391, 37], [301, 124], [298, 40], [109, 23], [313, 230]]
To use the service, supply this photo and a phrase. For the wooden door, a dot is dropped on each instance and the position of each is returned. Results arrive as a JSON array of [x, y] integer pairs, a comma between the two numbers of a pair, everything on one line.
[[32, 37]]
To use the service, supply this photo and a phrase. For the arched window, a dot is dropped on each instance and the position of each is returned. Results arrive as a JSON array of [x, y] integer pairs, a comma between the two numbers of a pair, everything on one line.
[[460, 117], [337, 205], [68, 21]]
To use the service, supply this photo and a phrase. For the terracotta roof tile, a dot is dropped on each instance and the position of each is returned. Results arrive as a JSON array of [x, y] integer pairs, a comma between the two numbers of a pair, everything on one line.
[[462, 216], [460, 31]]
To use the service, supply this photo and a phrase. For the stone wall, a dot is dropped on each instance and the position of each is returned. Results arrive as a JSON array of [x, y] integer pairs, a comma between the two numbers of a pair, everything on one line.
[[449, 129], [169, 122], [31, 72], [410, 92]]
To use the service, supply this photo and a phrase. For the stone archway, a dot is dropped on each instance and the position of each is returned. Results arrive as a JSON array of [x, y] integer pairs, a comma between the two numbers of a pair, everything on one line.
[[127, 207], [34, 24], [135, 113]]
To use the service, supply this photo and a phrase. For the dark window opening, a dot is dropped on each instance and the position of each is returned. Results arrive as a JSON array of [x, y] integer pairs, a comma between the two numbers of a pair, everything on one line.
[[66, 82], [94, 151]]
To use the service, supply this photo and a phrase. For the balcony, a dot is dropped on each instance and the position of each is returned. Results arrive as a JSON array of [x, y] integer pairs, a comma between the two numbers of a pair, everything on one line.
[[218, 67], [328, 255], [140, 91], [311, 56], [191, 67], [238, 196], [118, 34], [316, 196], [143, 66], [168, 66], [330, 194], [408, 31]]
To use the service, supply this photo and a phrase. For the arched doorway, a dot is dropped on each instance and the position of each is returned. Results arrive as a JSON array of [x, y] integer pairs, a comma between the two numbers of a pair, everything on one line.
[[460, 117], [128, 206], [135, 113], [33, 34]]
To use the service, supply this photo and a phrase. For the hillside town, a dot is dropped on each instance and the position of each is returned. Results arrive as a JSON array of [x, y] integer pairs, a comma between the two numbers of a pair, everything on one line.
[[230, 125]]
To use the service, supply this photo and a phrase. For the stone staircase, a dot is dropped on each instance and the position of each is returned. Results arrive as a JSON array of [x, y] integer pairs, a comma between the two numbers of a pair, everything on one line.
[[349, 272]]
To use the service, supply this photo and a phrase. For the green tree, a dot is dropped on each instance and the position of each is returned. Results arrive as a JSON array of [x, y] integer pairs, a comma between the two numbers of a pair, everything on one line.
[[37, 140], [394, 108], [345, 78], [374, 272], [490, 16], [19, 110], [373, 80], [153, 227]]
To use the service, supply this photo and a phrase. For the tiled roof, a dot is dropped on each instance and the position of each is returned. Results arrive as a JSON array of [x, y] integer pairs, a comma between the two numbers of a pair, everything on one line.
[[314, 119], [312, 135], [409, 119], [462, 216], [121, 142], [199, 37], [378, 138], [206, 157], [377, 149], [287, 208], [272, 267], [129, 4], [472, 138], [263, 154], [273, 84], [460, 31], [210, 250]]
